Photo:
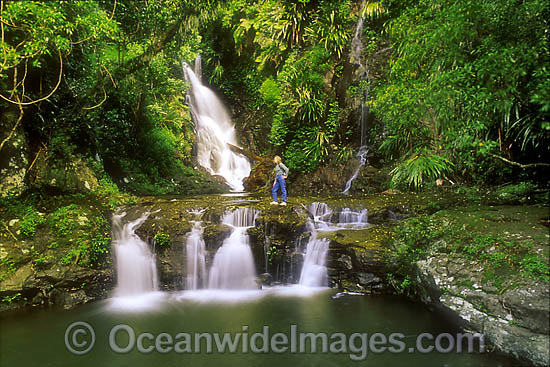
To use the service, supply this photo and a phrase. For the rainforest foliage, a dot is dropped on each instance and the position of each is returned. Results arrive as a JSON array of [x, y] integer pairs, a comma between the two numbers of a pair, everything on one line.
[[457, 89], [468, 85]]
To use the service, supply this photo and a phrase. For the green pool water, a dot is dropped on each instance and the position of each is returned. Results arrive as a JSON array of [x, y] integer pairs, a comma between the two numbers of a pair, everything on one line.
[[37, 338]]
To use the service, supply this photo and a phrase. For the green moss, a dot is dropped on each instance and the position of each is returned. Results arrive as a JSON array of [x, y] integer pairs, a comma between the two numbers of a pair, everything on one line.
[[373, 238], [108, 191], [24, 210], [515, 191], [69, 257], [65, 219], [346, 284], [272, 254], [496, 276], [8, 266], [162, 239], [505, 242], [11, 298], [30, 221], [535, 267], [40, 259], [466, 284]]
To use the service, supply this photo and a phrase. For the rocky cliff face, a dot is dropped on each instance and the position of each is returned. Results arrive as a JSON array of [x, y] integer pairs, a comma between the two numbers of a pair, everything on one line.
[[483, 287], [514, 319], [21, 170], [59, 258]]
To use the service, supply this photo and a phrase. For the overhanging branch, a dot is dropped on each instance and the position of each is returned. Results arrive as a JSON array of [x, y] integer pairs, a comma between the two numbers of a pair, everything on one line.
[[43, 98], [523, 166]]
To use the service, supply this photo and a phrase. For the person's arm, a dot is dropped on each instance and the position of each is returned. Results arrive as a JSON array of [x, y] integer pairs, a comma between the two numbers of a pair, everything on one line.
[[285, 169]]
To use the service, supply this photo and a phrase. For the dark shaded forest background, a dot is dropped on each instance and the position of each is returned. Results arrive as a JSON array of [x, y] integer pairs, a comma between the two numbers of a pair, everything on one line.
[[457, 90]]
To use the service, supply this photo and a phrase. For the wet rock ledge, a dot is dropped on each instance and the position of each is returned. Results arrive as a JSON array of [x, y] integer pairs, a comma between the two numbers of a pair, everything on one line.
[[510, 308]]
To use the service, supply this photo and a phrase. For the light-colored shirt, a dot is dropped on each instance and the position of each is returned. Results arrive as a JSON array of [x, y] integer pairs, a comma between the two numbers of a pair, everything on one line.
[[281, 169]]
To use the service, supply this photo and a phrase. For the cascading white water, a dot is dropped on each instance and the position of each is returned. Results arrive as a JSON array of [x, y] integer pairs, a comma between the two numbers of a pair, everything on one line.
[[198, 67], [347, 216], [135, 263], [363, 72], [319, 210], [214, 130], [362, 155], [321, 216], [324, 219], [233, 265], [195, 258], [356, 43], [314, 270], [241, 217]]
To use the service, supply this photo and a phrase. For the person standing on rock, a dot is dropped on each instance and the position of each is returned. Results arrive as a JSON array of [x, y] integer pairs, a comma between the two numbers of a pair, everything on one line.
[[281, 173]]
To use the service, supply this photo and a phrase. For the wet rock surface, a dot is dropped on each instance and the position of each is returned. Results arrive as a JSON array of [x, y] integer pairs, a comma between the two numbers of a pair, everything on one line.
[[59, 286], [278, 240], [513, 315], [71, 176], [357, 261], [511, 310], [514, 321], [61, 263]]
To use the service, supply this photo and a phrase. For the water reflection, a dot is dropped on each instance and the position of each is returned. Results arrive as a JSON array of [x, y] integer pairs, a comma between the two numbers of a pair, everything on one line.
[[36, 338]]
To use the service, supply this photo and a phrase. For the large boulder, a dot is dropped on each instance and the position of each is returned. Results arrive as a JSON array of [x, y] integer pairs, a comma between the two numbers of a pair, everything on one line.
[[357, 259], [62, 262], [515, 320], [71, 175], [260, 177]]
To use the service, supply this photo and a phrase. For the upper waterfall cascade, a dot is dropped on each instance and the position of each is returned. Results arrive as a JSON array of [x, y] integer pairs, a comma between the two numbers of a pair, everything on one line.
[[363, 75], [214, 130]]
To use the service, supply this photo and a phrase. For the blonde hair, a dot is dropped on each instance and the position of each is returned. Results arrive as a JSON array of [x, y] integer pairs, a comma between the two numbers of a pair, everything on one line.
[[277, 159]]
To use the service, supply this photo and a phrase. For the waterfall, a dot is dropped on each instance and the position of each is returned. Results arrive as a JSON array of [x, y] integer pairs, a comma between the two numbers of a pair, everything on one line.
[[319, 210], [356, 43], [198, 67], [195, 258], [314, 271], [267, 246], [325, 219], [363, 72], [347, 216], [321, 215], [233, 265], [214, 130], [241, 217], [362, 155], [135, 263]]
